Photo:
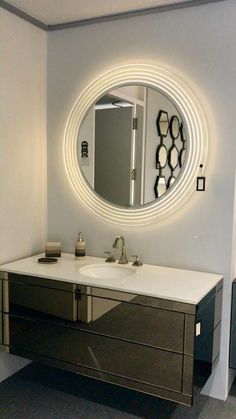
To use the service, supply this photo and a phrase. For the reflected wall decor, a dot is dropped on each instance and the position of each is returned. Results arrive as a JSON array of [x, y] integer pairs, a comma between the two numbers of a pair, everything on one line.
[[170, 152]]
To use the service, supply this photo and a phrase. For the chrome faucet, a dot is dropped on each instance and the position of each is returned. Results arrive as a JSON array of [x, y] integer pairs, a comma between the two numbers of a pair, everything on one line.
[[123, 257]]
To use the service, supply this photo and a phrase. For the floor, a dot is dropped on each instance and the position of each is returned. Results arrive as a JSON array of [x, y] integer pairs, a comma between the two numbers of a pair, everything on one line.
[[41, 392]]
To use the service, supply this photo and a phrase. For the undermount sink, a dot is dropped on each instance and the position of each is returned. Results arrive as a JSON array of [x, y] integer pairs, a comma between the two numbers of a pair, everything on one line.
[[107, 271]]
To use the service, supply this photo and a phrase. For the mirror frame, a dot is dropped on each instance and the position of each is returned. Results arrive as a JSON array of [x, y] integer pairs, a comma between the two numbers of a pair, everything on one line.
[[192, 115]]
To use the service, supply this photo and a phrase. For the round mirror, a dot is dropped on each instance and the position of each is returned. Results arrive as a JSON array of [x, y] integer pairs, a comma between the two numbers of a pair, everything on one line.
[[160, 186], [161, 156], [124, 144], [174, 127], [162, 123], [153, 186], [182, 157], [173, 157], [171, 180]]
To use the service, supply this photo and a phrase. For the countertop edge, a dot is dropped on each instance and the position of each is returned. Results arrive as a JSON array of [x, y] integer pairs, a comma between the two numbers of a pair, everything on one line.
[[88, 282]]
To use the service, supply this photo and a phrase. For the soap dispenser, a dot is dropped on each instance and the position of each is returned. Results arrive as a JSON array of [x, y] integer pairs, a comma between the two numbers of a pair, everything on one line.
[[80, 246]]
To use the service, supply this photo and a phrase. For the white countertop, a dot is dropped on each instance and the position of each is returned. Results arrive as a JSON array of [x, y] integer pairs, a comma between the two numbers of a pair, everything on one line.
[[156, 281]]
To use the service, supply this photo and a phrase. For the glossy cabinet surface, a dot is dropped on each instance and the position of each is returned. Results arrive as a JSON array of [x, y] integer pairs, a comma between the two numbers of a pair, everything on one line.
[[232, 357], [208, 316], [1, 313], [143, 343]]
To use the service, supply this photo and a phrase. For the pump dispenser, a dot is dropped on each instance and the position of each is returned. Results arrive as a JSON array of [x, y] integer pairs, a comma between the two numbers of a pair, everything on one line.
[[80, 245]]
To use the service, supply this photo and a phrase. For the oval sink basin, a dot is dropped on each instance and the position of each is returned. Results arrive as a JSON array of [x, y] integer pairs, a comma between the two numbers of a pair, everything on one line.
[[107, 271]]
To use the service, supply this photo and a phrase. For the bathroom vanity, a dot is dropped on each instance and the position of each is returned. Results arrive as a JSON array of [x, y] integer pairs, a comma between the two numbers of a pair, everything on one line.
[[147, 328]]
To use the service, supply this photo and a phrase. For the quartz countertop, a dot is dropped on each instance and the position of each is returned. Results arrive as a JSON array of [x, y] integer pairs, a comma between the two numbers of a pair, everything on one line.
[[181, 285]]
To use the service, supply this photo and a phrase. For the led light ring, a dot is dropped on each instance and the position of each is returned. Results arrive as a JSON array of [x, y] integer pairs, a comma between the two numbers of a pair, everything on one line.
[[179, 93]]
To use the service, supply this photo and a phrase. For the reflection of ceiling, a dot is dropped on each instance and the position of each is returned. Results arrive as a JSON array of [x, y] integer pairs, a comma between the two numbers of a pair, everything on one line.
[[113, 101], [106, 99], [54, 12]]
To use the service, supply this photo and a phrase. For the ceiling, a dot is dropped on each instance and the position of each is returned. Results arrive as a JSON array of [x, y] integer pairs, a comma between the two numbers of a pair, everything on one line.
[[60, 12]]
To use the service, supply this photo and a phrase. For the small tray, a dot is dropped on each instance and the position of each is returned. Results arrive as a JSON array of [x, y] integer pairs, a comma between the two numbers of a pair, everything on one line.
[[47, 260]]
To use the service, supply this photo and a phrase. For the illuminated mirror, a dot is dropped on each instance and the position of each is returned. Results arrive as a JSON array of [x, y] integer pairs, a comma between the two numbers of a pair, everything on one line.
[[188, 128]]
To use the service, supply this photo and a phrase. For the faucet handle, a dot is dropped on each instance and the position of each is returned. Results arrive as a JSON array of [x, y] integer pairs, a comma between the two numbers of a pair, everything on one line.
[[137, 261], [110, 257]]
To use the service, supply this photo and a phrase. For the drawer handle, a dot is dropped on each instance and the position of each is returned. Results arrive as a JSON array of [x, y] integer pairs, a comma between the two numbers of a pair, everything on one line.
[[78, 294]]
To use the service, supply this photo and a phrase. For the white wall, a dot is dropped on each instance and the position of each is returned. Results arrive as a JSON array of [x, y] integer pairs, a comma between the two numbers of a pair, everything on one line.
[[198, 44], [22, 147]]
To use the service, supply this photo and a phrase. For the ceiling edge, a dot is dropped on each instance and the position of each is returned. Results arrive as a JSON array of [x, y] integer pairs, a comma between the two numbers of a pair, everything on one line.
[[106, 18], [5, 5]]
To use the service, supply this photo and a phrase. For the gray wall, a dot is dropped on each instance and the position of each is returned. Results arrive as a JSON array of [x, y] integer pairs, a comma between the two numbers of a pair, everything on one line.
[[199, 45], [23, 147]]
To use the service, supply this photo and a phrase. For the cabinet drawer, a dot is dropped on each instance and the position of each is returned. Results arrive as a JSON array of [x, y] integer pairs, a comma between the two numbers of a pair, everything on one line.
[[104, 354], [50, 297], [144, 300], [110, 313], [130, 321]]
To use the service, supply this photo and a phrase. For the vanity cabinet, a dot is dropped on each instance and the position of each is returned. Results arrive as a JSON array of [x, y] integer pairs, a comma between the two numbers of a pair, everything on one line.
[[208, 331], [1, 313], [140, 342]]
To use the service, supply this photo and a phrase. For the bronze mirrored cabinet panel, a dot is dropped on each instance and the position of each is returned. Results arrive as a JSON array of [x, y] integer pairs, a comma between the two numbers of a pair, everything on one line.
[[140, 342]]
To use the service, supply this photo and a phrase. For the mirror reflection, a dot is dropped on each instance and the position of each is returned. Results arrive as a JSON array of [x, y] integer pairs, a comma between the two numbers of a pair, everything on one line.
[[131, 145], [174, 127]]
